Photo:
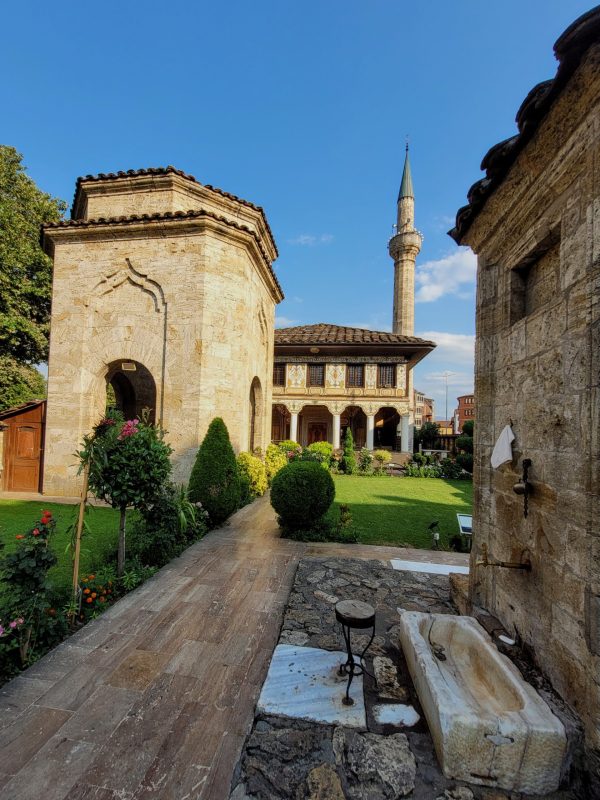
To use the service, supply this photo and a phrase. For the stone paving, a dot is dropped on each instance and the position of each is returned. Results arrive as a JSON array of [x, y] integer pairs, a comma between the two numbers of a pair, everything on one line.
[[155, 698], [299, 759]]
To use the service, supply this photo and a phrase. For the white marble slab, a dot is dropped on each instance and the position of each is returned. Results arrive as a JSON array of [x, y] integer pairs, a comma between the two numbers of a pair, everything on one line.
[[303, 683], [395, 714], [427, 566]]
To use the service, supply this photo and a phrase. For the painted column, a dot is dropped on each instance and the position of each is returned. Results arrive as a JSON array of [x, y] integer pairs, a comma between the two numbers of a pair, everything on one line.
[[370, 430], [336, 431], [294, 426], [404, 420]]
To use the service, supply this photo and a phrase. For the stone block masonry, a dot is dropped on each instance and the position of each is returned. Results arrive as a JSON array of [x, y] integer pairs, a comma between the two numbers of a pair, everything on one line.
[[536, 233], [182, 287]]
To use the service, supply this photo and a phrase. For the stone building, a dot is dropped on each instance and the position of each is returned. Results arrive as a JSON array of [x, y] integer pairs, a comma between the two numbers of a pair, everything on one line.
[[534, 223], [328, 378], [164, 289]]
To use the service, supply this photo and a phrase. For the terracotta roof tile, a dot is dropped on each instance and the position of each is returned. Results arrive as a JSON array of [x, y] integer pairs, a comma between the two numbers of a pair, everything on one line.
[[168, 216], [323, 333], [170, 170], [569, 49]]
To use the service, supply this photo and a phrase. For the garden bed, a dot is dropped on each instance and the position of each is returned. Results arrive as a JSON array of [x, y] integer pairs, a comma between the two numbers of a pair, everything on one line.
[[99, 546]]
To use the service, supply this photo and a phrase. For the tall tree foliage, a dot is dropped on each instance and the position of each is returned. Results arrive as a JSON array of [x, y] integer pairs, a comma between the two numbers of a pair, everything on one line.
[[25, 271]]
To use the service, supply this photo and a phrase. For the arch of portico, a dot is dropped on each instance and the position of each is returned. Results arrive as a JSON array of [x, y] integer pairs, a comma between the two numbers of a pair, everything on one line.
[[295, 416]]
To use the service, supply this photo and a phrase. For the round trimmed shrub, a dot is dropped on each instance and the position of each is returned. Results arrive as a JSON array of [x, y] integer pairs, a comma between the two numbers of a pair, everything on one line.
[[253, 474], [289, 446], [301, 493], [215, 480], [382, 458], [323, 452]]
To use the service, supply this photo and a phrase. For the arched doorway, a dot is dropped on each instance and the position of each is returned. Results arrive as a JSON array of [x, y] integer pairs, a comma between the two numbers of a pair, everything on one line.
[[315, 424], [387, 435], [255, 434], [130, 389], [354, 417]]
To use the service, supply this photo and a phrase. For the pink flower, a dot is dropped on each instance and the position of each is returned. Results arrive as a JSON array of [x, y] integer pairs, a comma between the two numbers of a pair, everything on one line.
[[20, 620], [129, 428], [13, 624]]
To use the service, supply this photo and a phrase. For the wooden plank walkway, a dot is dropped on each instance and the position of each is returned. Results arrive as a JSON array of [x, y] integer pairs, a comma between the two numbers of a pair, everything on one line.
[[154, 699]]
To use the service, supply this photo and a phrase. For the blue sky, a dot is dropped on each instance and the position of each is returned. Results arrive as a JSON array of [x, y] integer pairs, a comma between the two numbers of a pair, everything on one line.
[[302, 108]]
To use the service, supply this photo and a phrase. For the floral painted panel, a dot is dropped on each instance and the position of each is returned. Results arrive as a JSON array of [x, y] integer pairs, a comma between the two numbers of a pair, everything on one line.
[[335, 376], [296, 376]]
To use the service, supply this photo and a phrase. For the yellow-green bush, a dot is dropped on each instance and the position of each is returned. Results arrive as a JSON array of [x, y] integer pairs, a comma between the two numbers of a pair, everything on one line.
[[253, 474], [275, 459], [381, 458]]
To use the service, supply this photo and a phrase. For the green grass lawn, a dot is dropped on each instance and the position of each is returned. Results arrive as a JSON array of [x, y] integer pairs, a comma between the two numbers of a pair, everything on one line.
[[18, 516], [396, 511]]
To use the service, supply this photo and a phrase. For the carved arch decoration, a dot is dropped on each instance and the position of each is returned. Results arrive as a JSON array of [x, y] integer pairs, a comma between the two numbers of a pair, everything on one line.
[[113, 279], [117, 277]]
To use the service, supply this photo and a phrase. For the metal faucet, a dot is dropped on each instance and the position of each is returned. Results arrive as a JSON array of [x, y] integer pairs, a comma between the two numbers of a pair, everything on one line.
[[486, 561]]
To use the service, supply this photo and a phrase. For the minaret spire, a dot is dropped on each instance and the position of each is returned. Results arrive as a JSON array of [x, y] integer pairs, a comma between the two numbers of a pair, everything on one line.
[[406, 186], [404, 248]]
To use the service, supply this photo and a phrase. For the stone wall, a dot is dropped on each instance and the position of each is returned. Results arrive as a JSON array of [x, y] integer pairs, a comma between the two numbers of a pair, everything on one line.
[[538, 363], [190, 299]]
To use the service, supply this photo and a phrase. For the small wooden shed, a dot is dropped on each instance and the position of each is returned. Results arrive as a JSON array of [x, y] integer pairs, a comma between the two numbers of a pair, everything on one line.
[[22, 443]]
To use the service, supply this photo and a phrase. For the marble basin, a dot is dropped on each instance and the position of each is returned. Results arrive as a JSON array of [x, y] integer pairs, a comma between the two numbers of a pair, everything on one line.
[[488, 725]]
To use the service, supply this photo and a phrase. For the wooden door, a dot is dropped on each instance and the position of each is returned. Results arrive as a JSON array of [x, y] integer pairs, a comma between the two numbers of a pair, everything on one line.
[[317, 432], [23, 457]]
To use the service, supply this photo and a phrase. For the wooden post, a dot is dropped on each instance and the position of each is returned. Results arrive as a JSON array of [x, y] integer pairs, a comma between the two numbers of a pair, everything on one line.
[[84, 491]]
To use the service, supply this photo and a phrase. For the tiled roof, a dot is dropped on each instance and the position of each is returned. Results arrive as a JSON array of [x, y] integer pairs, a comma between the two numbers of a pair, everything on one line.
[[168, 216], [569, 49], [170, 170], [322, 333]]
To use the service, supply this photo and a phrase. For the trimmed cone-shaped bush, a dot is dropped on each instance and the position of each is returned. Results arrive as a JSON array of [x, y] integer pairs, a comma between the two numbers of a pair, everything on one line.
[[348, 460], [215, 481], [301, 493]]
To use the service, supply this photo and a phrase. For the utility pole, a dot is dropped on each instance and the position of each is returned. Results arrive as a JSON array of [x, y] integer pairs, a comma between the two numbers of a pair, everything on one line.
[[446, 375]]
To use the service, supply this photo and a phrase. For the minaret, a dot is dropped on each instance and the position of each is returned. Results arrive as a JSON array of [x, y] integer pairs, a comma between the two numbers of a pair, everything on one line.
[[404, 248]]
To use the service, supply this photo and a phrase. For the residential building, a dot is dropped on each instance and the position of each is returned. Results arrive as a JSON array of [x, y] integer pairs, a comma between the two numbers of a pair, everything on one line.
[[465, 410]]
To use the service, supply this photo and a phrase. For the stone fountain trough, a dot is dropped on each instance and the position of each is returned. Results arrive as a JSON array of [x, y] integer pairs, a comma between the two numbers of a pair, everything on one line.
[[488, 725]]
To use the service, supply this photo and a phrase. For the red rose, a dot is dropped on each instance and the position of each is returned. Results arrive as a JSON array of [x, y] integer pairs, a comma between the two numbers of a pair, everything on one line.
[[35, 532]]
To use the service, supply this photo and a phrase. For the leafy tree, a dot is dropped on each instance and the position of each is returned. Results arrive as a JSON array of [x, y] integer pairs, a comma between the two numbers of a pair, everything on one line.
[[465, 443], [429, 433], [348, 460], [128, 466], [19, 383], [25, 270], [215, 480]]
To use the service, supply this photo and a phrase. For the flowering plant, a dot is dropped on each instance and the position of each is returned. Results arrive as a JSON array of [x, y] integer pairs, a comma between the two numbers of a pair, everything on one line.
[[128, 463], [25, 573], [96, 592]]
